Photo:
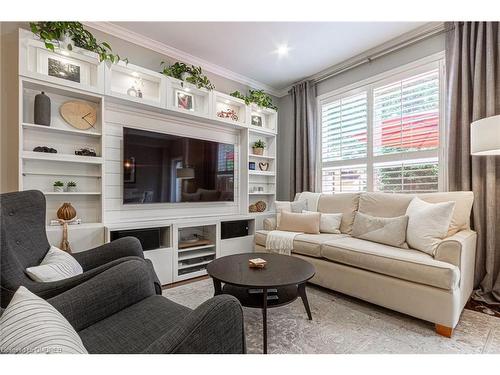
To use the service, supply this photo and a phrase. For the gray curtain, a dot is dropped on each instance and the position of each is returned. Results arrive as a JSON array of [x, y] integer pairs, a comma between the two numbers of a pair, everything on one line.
[[303, 155], [473, 92]]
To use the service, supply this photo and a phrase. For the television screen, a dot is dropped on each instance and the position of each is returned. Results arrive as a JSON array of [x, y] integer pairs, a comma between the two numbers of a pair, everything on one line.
[[164, 168]]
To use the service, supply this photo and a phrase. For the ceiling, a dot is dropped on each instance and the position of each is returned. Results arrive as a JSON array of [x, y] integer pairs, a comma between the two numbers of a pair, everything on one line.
[[249, 48]]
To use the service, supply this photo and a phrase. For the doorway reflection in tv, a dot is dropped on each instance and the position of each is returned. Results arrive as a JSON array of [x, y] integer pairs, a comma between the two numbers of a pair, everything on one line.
[[165, 168]]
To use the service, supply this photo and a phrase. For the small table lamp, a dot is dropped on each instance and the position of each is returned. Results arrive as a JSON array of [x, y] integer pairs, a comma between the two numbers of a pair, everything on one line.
[[485, 136]]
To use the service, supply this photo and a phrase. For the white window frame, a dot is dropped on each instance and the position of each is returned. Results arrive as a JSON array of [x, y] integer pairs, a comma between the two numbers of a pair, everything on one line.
[[435, 61]]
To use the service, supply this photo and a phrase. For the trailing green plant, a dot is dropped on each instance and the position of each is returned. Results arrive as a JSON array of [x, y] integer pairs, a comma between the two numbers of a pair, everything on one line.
[[196, 76], [51, 33], [71, 184], [58, 183], [258, 97], [259, 144]]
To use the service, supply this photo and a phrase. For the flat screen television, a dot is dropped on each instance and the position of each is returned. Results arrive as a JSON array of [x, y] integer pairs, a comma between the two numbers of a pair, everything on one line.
[[165, 168]]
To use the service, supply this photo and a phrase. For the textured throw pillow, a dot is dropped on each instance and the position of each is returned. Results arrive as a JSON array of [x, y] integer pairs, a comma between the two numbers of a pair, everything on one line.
[[387, 230], [30, 325], [57, 265], [305, 223], [328, 223], [427, 224]]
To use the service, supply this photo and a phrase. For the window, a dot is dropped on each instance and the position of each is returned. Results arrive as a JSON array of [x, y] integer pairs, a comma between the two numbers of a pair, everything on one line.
[[384, 135]]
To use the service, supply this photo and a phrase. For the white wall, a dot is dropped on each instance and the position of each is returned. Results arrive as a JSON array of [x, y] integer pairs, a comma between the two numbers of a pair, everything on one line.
[[398, 58]]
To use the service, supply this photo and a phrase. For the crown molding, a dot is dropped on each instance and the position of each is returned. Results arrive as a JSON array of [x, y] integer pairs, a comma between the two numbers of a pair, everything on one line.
[[143, 41], [423, 32]]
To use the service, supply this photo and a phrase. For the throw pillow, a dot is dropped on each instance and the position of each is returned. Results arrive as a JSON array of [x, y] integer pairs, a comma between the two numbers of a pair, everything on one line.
[[387, 230], [329, 223], [305, 223], [30, 325], [57, 265], [428, 224], [295, 206]]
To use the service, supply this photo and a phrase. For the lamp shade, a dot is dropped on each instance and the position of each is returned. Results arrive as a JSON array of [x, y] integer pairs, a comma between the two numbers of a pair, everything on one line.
[[185, 173], [485, 136]]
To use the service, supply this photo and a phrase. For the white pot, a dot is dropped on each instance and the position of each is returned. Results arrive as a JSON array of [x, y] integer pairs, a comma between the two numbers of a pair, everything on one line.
[[185, 75], [59, 189], [66, 43], [72, 189]]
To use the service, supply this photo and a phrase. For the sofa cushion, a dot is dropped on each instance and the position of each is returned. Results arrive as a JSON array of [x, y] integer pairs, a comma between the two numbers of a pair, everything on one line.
[[392, 205], [406, 264], [344, 203], [306, 244]]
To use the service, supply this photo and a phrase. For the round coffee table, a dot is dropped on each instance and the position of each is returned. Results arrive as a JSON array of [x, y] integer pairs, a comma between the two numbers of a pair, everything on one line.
[[279, 283]]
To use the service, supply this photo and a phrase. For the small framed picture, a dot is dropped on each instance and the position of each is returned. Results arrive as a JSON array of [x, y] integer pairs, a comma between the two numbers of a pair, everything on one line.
[[256, 120], [251, 166], [184, 100], [64, 70]]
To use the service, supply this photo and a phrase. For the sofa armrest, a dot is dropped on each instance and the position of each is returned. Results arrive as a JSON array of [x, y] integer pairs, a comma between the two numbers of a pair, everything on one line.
[[215, 327], [105, 294], [120, 248], [454, 248], [270, 223]]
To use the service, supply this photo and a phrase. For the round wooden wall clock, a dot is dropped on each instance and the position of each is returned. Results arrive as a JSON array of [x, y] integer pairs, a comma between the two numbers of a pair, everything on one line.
[[80, 115]]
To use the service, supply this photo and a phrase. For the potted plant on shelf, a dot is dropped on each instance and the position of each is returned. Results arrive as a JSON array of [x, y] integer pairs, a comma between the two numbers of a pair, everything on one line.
[[58, 186], [258, 97], [258, 147], [191, 74], [65, 35], [71, 186]]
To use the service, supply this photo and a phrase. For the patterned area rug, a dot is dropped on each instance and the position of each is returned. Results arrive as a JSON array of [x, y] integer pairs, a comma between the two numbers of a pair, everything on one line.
[[342, 324]]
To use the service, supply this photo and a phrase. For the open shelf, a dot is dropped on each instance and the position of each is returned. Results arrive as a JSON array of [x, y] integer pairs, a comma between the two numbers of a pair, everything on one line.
[[68, 174], [262, 193], [195, 248], [62, 157], [50, 228], [186, 266], [200, 254], [71, 193], [54, 129], [261, 173]]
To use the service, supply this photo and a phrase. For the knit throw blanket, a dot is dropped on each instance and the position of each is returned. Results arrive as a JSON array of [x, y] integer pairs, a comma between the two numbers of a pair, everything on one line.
[[281, 242]]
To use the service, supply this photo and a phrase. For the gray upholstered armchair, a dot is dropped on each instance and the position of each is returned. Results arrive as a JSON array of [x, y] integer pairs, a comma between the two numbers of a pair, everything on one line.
[[24, 244], [118, 312]]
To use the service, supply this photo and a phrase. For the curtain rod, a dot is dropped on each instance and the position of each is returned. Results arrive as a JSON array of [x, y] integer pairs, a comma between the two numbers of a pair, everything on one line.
[[440, 29]]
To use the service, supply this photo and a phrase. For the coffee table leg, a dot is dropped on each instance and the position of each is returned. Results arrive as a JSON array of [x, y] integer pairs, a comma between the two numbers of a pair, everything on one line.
[[264, 319], [303, 295], [217, 287]]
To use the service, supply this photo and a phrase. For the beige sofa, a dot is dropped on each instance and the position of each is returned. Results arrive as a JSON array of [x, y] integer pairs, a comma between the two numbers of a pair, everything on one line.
[[433, 288]]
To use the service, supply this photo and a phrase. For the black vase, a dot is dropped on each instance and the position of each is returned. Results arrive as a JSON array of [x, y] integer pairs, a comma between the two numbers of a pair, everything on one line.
[[42, 109]]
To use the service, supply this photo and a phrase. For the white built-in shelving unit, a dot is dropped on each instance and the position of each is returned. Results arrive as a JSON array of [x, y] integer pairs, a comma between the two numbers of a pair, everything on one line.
[[107, 86]]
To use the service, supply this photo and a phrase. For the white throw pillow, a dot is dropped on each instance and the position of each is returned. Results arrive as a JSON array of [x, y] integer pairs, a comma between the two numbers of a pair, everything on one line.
[[57, 265], [428, 224], [328, 223], [31, 325]]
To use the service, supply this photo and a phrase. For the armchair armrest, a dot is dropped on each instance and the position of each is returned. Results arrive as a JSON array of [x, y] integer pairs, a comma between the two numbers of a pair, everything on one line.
[[105, 294], [215, 327], [270, 223], [123, 247]]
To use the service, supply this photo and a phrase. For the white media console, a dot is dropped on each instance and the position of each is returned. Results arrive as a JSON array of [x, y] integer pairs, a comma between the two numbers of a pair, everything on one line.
[[99, 197]]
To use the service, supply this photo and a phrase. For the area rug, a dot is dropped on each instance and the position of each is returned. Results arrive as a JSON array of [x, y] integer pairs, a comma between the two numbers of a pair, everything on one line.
[[342, 324]]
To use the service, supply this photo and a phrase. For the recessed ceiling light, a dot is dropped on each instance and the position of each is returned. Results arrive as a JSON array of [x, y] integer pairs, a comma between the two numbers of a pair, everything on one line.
[[282, 50]]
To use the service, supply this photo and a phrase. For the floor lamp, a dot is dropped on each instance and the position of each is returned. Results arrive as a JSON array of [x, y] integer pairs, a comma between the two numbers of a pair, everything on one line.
[[485, 136]]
